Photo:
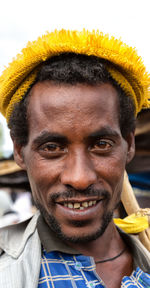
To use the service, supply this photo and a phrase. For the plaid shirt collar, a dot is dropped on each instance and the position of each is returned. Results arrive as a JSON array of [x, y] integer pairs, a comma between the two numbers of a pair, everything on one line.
[[75, 271], [51, 243]]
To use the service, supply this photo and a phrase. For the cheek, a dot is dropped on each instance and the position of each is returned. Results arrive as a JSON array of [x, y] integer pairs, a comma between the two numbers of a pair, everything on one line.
[[110, 170], [43, 176]]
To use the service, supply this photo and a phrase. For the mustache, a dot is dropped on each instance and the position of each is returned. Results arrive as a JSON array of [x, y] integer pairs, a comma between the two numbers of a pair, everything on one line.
[[73, 193]]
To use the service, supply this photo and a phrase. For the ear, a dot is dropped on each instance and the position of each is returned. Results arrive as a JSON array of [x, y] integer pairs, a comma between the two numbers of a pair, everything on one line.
[[131, 147], [18, 155]]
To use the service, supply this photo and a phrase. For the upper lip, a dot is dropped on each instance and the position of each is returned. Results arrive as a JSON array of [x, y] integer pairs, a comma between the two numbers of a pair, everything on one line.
[[79, 200]]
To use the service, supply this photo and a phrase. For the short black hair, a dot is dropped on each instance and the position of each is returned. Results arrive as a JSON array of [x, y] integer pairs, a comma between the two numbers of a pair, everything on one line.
[[71, 68]]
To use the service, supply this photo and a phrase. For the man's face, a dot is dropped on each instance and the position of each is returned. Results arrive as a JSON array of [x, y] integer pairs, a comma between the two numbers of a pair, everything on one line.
[[75, 157]]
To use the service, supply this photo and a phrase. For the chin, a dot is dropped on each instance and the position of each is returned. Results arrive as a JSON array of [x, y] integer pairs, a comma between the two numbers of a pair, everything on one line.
[[76, 236]]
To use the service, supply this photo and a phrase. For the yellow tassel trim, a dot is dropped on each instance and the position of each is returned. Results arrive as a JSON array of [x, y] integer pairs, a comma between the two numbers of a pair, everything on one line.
[[20, 92], [134, 223], [125, 85], [129, 70]]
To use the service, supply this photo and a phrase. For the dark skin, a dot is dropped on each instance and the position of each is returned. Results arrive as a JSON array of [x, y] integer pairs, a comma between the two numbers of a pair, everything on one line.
[[75, 143], [113, 272]]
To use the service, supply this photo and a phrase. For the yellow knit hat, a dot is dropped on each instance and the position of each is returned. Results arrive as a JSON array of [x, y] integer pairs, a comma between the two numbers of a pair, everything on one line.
[[126, 67]]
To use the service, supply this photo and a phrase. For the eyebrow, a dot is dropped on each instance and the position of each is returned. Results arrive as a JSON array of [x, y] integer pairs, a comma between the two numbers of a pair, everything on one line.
[[103, 132], [46, 136]]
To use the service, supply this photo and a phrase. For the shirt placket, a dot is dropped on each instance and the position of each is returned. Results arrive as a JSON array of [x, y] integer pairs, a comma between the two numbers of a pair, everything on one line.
[[80, 266]]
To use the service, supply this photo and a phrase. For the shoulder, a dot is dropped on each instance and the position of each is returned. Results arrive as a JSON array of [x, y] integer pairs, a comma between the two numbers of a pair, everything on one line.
[[20, 254], [14, 237], [141, 256]]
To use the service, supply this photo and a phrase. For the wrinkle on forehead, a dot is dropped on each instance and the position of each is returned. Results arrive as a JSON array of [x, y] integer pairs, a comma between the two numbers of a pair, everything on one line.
[[67, 106]]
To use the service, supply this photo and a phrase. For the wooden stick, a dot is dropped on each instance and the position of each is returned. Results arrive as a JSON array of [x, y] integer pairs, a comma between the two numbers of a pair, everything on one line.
[[131, 206]]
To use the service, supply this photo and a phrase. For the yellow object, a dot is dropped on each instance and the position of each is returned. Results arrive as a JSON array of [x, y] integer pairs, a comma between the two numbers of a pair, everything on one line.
[[125, 66], [132, 224], [8, 167]]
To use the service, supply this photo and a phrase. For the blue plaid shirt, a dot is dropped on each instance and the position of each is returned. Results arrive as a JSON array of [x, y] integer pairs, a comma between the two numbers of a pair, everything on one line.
[[61, 270]]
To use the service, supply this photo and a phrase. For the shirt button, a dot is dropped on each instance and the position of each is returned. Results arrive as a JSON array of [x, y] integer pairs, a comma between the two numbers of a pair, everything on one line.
[[78, 265], [91, 285]]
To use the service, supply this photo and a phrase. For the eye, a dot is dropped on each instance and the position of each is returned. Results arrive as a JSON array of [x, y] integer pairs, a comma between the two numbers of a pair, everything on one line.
[[102, 145], [52, 149]]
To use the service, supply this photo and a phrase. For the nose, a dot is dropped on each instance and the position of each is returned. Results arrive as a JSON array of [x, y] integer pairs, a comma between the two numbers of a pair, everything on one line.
[[78, 172]]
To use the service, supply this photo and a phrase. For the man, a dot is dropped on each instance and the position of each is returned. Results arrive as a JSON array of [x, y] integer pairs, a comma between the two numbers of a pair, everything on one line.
[[70, 100]]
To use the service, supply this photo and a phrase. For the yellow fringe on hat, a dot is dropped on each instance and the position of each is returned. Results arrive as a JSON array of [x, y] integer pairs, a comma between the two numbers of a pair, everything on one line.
[[131, 73]]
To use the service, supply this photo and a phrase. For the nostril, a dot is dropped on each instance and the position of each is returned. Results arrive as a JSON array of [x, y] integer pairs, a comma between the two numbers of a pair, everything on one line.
[[80, 183], [80, 191]]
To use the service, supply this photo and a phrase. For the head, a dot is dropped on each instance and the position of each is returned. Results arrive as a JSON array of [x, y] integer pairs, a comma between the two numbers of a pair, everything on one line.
[[73, 134]]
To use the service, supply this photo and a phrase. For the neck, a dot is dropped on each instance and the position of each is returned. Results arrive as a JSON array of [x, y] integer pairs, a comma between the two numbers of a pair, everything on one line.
[[108, 245]]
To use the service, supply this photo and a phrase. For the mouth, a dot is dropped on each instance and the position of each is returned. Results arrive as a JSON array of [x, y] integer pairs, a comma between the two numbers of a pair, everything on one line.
[[79, 205], [79, 209]]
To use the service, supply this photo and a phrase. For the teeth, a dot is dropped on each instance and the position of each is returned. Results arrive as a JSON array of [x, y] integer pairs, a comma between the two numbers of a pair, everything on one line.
[[70, 205], [80, 205], [85, 204], [76, 205]]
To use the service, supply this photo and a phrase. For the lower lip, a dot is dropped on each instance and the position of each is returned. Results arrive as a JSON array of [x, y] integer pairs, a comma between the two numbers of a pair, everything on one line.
[[79, 215]]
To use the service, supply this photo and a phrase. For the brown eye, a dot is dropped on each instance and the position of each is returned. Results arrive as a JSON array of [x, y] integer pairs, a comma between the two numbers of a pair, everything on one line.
[[102, 146], [52, 150]]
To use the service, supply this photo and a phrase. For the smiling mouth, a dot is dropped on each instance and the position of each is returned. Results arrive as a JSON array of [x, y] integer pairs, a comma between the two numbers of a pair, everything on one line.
[[80, 205]]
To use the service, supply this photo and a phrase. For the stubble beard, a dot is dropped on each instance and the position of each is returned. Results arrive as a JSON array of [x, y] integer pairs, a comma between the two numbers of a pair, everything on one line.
[[56, 227]]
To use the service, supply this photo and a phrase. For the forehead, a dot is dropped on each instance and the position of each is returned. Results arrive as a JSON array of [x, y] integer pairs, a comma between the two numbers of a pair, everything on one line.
[[74, 106]]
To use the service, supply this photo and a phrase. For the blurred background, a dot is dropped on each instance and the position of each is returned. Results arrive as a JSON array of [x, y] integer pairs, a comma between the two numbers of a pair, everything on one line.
[[23, 21]]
